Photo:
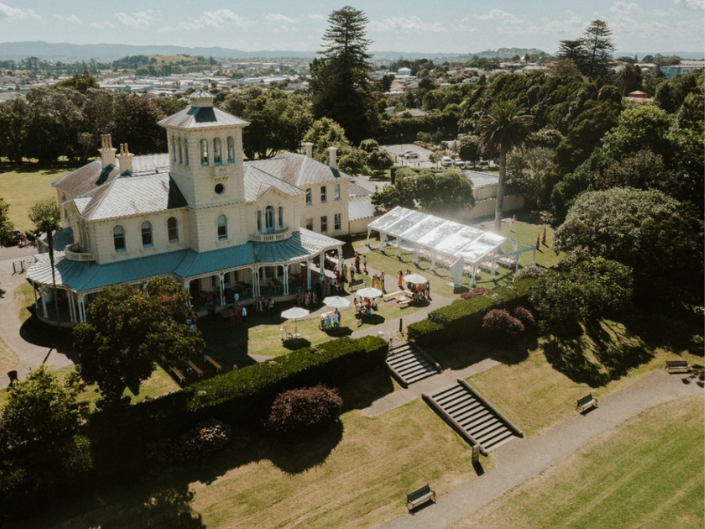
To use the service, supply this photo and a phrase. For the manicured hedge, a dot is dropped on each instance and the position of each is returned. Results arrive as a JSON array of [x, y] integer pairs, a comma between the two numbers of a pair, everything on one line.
[[243, 394], [456, 321]]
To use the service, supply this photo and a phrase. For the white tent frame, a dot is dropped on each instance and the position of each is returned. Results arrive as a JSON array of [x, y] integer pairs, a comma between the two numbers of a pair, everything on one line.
[[457, 245]]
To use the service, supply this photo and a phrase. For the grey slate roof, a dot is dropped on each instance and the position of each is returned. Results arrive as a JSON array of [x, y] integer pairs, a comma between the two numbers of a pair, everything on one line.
[[92, 175], [257, 182], [298, 170], [358, 191], [361, 208], [201, 117], [130, 195]]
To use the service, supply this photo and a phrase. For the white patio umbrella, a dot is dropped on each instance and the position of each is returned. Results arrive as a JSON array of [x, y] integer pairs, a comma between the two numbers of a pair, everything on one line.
[[294, 313], [336, 302], [369, 292], [415, 279]]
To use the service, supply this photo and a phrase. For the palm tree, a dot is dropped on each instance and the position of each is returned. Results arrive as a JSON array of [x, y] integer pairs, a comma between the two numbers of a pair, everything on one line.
[[504, 126], [46, 217]]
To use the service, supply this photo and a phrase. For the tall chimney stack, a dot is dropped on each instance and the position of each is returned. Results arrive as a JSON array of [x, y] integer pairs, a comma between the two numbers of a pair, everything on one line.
[[308, 146], [332, 158], [107, 153], [125, 159]]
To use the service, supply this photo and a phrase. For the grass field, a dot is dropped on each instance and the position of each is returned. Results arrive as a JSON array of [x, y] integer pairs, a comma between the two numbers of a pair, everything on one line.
[[646, 473], [21, 189], [355, 475]]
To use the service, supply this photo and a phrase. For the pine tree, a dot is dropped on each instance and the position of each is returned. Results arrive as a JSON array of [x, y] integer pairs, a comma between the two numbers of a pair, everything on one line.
[[599, 48], [340, 80]]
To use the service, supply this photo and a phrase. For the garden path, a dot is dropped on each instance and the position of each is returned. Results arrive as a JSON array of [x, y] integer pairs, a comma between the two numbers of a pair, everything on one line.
[[524, 458]]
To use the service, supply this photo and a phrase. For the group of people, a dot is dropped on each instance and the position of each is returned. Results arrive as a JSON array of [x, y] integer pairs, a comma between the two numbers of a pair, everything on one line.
[[364, 307], [419, 291], [307, 298], [331, 320], [238, 314], [357, 263]]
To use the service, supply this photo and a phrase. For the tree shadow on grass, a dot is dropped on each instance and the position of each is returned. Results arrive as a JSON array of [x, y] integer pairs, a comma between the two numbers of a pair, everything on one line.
[[42, 334], [459, 355], [660, 331], [568, 357]]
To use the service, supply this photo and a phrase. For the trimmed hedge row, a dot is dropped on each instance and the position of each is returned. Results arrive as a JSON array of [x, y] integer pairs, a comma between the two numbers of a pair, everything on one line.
[[243, 394], [463, 317]]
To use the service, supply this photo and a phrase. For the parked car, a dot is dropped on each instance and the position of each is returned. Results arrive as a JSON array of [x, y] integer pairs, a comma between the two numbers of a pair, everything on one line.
[[446, 161], [459, 163], [410, 154]]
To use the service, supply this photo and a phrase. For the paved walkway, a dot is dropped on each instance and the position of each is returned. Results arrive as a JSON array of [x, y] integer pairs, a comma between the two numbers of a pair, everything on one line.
[[28, 354], [523, 458]]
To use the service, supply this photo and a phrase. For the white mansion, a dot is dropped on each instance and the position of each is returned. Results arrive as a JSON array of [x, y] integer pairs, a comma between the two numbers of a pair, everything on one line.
[[200, 214]]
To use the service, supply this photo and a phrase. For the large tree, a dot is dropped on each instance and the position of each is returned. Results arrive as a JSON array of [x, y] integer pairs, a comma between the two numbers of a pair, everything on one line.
[[46, 217], [340, 83], [14, 126], [129, 330], [598, 48], [504, 126]]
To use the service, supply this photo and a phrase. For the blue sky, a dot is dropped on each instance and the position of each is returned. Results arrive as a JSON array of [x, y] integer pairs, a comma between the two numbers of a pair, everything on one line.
[[412, 25]]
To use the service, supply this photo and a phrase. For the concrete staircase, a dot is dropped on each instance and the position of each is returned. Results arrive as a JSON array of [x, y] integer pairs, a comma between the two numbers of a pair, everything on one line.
[[475, 419], [409, 363]]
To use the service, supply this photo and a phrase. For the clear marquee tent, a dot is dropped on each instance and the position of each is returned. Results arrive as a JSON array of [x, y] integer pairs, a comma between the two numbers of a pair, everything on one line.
[[456, 246]]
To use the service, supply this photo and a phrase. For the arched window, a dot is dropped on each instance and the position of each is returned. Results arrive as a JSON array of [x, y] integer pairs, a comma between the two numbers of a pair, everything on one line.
[[259, 220], [308, 197], [217, 151], [281, 217], [204, 152], [172, 226], [231, 149], [269, 218], [119, 239], [186, 151], [323, 194], [181, 153], [146, 234], [222, 228]]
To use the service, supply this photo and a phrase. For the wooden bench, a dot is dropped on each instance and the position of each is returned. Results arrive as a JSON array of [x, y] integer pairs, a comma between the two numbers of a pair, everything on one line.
[[215, 364], [178, 375], [677, 366], [419, 496], [588, 401], [356, 285], [198, 370]]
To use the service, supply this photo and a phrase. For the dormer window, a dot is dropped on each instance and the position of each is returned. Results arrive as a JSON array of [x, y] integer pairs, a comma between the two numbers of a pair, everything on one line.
[[204, 152], [231, 149], [217, 151]]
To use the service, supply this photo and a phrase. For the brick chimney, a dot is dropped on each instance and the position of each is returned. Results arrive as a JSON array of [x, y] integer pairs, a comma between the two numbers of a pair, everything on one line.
[[308, 149], [107, 153], [125, 159], [332, 158]]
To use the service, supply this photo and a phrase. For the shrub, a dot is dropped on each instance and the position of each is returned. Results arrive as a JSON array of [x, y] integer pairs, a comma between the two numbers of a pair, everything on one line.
[[573, 257], [425, 332], [525, 316], [302, 411], [204, 440], [529, 272], [475, 292], [501, 325]]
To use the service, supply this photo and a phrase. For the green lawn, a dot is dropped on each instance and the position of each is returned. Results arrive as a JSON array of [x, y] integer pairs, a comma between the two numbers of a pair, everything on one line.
[[547, 378], [356, 474], [24, 299], [647, 472], [21, 189]]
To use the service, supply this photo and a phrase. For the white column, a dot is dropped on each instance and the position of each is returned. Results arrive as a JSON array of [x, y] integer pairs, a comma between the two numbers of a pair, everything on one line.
[[433, 262], [474, 270], [44, 306], [69, 298], [516, 263], [81, 308], [36, 299], [398, 247], [286, 280], [222, 288], [415, 258], [341, 261], [367, 241], [322, 261], [255, 282], [308, 274], [494, 268]]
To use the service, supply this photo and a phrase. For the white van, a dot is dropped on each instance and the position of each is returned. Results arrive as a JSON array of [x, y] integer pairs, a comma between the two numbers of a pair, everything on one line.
[[446, 161]]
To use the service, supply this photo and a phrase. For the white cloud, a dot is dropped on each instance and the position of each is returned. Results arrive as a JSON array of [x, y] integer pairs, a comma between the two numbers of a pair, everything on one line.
[[13, 13], [102, 25], [278, 17], [317, 17], [500, 15], [405, 24], [139, 20], [573, 25], [209, 19], [623, 9], [286, 29], [661, 13], [72, 19], [690, 4]]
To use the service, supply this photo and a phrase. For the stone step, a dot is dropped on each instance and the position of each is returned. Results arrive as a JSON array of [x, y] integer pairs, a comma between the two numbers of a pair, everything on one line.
[[409, 365]]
